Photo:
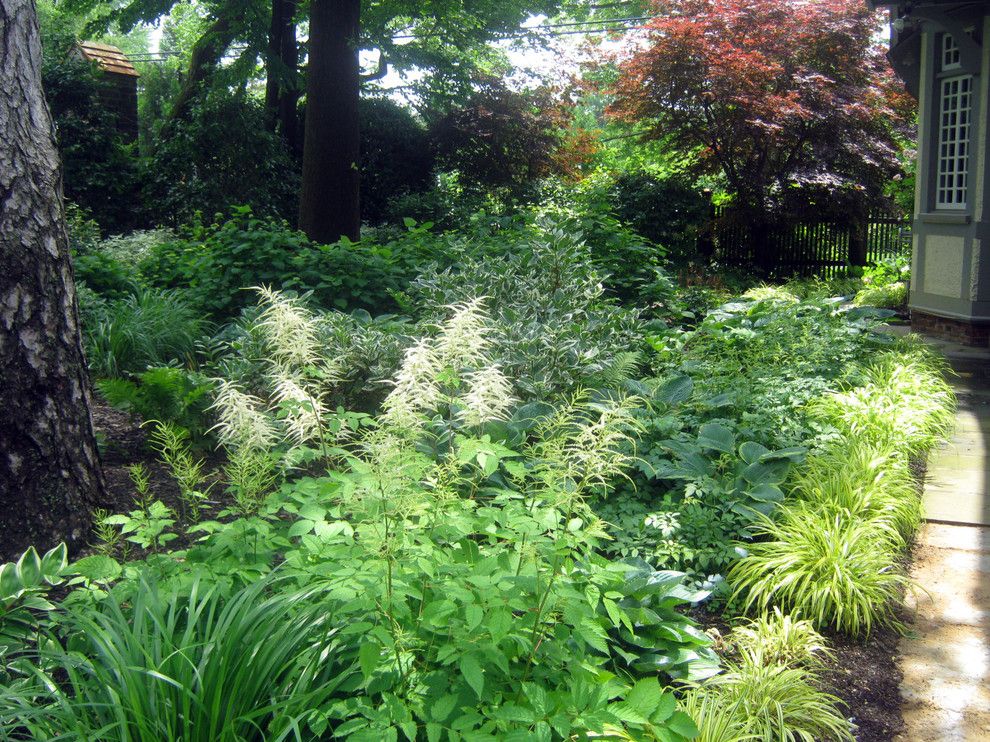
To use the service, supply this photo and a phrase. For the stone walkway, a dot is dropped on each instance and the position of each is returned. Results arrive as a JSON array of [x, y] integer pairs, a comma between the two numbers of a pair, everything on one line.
[[946, 657]]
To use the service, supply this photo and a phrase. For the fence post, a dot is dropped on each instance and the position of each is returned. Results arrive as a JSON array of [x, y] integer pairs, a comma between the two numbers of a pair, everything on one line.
[[705, 243], [859, 229]]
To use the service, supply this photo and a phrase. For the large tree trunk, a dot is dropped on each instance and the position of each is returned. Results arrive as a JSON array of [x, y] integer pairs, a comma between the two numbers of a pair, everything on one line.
[[206, 55], [281, 84], [329, 206], [49, 468]]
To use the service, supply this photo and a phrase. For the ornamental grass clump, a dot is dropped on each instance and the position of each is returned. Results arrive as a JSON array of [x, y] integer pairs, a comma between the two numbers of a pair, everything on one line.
[[904, 404], [186, 664], [771, 691], [781, 639], [868, 483], [834, 569], [775, 703], [890, 296]]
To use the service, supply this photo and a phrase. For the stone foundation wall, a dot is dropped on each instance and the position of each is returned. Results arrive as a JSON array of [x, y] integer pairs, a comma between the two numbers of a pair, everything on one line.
[[957, 330]]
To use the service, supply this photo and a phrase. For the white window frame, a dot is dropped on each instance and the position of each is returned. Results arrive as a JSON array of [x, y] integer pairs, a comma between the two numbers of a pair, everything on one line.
[[954, 123]]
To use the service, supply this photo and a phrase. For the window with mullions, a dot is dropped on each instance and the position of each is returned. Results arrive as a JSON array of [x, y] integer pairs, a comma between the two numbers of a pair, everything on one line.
[[954, 125]]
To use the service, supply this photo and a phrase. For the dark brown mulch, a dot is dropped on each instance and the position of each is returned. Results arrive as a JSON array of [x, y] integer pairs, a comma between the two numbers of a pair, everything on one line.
[[123, 442], [867, 678]]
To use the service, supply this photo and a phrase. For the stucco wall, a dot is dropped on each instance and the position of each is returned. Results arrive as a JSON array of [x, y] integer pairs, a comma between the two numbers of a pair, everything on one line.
[[951, 256]]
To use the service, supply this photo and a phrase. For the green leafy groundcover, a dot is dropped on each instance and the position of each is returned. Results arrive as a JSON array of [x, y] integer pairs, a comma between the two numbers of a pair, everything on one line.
[[435, 577], [446, 569]]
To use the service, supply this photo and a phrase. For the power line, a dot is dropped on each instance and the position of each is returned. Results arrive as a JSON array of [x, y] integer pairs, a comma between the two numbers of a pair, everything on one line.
[[554, 30]]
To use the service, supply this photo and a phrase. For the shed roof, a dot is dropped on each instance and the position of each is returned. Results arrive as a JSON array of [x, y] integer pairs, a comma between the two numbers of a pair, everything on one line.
[[110, 58]]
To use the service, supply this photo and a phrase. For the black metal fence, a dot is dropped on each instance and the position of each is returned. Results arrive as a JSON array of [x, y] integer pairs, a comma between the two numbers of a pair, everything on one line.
[[807, 247]]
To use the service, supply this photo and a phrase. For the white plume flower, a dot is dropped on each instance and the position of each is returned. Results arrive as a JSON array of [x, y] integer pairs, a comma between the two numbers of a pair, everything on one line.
[[415, 388], [489, 396], [242, 423], [289, 328], [302, 411], [464, 337]]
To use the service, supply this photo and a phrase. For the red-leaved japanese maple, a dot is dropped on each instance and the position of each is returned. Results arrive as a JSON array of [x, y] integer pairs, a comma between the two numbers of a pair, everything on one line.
[[770, 93]]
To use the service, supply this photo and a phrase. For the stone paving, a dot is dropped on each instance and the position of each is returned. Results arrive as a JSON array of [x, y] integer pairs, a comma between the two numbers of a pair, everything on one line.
[[946, 656]]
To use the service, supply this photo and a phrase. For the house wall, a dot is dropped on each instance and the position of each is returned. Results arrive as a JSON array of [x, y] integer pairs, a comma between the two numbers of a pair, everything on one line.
[[950, 284]]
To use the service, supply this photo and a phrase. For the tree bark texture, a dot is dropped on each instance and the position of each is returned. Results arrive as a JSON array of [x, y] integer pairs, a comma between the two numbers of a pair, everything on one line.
[[330, 206], [281, 84], [50, 473]]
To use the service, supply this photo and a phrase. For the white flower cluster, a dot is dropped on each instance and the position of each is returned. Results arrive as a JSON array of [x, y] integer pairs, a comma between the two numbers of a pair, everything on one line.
[[462, 343], [289, 328], [242, 420]]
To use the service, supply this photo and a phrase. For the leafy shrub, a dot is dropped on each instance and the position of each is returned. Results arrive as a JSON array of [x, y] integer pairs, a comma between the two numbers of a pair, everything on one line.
[[447, 204], [132, 248], [218, 156], [104, 275], [892, 269], [83, 231], [171, 395], [667, 211], [553, 329], [149, 328], [101, 170], [501, 138], [396, 157], [215, 264], [834, 569], [631, 267]]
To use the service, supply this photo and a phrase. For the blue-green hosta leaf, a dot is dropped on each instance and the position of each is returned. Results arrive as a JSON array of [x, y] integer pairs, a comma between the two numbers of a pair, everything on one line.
[[772, 472], [795, 454], [717, 437], [676, 390], [751, 452], [766, 493]]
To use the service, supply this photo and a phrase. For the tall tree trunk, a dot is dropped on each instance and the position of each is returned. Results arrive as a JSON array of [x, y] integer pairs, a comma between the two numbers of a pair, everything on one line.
[[49, 467], [329, 206], [281, 83], [288, 101], [206, 55], [273, 69]]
